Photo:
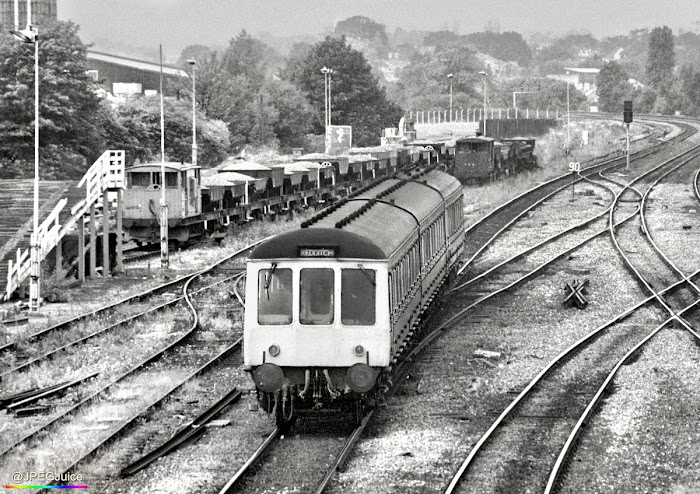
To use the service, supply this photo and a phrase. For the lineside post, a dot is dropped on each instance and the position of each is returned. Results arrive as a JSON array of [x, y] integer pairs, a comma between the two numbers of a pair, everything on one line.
[[105, 233], [628, 146], [120, 231]]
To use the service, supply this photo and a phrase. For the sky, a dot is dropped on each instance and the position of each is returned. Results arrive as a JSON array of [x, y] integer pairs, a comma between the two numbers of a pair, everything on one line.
[[179, 23]]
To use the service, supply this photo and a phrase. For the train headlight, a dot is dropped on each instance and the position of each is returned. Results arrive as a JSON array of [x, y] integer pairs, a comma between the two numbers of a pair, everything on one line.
[[358, 350], [361, 378], [268, 377], [274, 350]]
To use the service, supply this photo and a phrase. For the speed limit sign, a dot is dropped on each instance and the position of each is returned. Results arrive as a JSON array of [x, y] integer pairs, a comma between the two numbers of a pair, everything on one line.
[[574, 166]]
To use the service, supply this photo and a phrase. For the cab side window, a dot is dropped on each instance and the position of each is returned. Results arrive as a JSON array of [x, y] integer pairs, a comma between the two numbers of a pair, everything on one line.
[[275, 296], [317, 288], [357, 297]]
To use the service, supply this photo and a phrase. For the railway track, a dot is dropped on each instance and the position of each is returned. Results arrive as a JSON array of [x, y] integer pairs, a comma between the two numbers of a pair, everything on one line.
[[480, 235], [155, 378], [552, 395], [22, 354], [653, 272], [271, 441], [566, 178]]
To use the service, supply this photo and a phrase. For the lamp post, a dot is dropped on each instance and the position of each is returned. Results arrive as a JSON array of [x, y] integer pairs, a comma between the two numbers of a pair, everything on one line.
[[483, 74], [164, 253], [568, 115], [31, 36], [327, 95], [450, 76], [327, 98], [193, 63]]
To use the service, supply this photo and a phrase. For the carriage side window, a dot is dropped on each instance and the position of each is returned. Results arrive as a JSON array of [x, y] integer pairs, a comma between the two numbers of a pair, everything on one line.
[[317, 288], [275, 296], [357, 297]]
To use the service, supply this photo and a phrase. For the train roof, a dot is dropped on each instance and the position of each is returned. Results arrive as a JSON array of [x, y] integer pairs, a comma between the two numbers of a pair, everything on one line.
[[311, 165], [386, 216], [321, 157], [242, 166], [342, 243], [476, 139], [170, 165], [292, 167], [226, 178]]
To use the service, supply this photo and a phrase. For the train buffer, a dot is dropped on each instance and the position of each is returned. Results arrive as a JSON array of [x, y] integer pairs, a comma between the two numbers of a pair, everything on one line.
[[576, 294]]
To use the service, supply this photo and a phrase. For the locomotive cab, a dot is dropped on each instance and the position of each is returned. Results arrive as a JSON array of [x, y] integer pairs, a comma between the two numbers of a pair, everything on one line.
[[144, 189], [474, 159]]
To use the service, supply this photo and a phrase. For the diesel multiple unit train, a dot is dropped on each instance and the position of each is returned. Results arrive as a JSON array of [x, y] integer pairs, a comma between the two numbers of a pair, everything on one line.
[[239, 191], [330, 306]]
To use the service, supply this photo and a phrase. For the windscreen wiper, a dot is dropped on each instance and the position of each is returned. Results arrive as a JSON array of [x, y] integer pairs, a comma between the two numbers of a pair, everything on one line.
[[268, 280], [364, 271]]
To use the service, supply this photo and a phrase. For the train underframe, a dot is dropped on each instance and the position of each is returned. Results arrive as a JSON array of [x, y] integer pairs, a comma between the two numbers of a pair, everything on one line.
[[317, 391], [216, 223]]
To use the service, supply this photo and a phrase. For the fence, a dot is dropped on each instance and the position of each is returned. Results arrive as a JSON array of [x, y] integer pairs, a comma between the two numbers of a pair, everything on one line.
[[477, 114]]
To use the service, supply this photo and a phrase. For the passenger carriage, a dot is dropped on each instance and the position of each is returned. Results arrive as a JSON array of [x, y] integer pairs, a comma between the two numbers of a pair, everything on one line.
[[329, 307]]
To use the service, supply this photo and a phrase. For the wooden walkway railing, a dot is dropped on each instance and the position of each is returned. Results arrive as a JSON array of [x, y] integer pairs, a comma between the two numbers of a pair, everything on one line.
[[106, 173]]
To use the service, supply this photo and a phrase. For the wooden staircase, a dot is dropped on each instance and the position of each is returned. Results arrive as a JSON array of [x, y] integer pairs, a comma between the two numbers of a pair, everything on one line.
[[61, 205]]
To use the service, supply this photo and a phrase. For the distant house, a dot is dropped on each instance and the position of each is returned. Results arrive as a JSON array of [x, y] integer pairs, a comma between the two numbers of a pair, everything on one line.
[[583, 79], [126, 77]]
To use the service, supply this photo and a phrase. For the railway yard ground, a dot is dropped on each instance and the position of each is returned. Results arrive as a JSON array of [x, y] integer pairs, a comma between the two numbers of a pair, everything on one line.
[[644, 436]]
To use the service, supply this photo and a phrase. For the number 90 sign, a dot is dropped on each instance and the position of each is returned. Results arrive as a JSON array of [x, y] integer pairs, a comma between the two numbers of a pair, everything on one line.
[[574, 166]]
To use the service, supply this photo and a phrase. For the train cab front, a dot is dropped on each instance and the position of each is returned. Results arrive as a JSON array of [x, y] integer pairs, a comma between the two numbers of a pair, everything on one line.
[[145, 193], [315, 336]]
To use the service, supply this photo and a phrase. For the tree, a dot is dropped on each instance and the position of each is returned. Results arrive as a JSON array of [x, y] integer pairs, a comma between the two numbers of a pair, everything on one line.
[[357, 98], [251, 58], [509, 46], [370, 35], [196, 52], [136, 129], [545, 93], [424, 83], [690, 86], [294, 113], [362, 28], [613, 88], [70, 111], [661, 58]]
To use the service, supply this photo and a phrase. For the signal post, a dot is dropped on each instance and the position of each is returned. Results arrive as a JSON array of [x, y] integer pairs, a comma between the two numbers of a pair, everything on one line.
[[627, 120]]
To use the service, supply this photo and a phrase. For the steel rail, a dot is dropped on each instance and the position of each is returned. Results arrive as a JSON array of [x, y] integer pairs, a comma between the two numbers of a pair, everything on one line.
[[203, 368], [608, 164], [544, 242], [460, 473], [567, 449], [345, 453], [251, 461], [132, 298], [556, 361], [557, 470], [152, 358], [121, 322], [613, 226]]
